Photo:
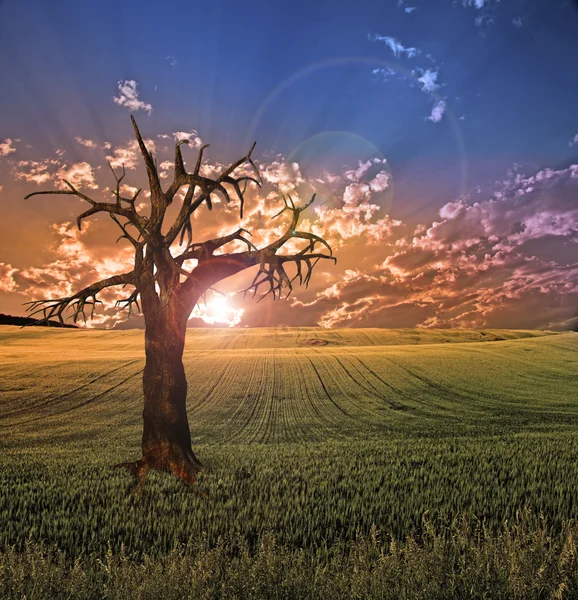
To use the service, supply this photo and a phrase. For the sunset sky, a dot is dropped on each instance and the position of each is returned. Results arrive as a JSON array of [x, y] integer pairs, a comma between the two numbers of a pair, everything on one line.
[[441, 138]]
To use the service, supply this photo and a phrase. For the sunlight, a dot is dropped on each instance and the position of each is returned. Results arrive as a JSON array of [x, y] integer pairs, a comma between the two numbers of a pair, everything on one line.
[[218, 310]]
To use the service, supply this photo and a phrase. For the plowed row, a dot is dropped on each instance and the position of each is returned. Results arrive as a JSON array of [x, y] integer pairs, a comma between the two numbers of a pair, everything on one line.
[[313, 440]]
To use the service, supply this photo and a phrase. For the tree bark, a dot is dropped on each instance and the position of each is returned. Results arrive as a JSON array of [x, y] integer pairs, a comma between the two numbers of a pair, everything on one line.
[[166, 440]]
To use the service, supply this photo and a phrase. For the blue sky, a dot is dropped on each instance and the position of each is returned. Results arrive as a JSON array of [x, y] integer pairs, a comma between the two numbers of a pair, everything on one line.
[[453, 93], [60, 62]]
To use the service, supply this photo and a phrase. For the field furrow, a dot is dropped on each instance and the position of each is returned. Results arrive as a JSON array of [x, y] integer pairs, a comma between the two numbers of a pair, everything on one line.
[[316, 436]]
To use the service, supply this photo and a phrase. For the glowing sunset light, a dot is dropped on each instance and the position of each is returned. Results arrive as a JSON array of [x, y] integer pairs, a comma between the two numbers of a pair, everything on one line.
[[217, 310]]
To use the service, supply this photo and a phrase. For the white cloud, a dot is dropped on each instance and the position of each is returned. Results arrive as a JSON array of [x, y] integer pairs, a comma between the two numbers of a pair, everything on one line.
[[380, 182], [171, 60], [286, 176], [164, 168], [428, 77], [486, 10], [384, 73], [518, 21], [574, 140], [428, 80], [52, 170], [475, 3], [128, 155], [396, 46], [484, 20], [6, 147], [357, 174], [438, 112], [79, 175], [193, 136], [128, 96], [407, 9]]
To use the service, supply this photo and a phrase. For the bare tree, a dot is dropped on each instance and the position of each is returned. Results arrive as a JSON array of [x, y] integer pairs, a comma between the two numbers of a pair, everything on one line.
[[166, 292]]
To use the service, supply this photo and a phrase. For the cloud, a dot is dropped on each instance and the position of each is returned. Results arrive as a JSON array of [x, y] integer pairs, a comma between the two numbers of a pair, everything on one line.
[[128, 96], [486, 12], [353, 214], [428, 80], [52, 170], [286, 176], [385, 73], [194, 140], [74, 265], [484, 20], [7, 283], [518, 21], [86, 143], [38, 172], [482, 264], [407, 9], [6, 147], [428, 77], [396, 46], [437, 111], [129, 154], [79, 175], [171, 60], [475, 3], [574, 140], [165, 167], [506, 259]]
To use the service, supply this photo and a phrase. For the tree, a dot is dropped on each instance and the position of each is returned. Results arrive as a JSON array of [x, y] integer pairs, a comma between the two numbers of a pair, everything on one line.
[[166, 293]]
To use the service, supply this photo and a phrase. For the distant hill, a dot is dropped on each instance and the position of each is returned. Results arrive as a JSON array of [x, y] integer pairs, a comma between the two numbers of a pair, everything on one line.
[[21, 321]]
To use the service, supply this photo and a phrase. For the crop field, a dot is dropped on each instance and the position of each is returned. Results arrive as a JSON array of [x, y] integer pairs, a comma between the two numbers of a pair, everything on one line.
[[326, 452]]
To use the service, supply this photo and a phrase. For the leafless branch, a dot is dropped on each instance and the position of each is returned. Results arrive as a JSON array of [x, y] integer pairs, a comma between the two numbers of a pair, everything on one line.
[[206, 249], [153, 176], [96, 207], [129, 302], [208, 187], [272, 270], [78, 302]]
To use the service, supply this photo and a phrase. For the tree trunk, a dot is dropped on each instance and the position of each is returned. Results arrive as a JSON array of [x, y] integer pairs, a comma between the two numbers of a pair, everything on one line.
[[166, 441]]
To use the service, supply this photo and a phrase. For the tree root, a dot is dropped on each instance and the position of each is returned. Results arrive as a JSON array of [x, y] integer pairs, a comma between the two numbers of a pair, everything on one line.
[[185, 470]]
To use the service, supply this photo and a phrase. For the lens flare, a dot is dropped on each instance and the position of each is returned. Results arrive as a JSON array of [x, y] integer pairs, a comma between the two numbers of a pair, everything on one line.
[[218, 311], [331, 160]]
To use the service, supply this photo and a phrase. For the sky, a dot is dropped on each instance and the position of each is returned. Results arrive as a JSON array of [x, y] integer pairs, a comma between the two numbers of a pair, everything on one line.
[[440, 136]]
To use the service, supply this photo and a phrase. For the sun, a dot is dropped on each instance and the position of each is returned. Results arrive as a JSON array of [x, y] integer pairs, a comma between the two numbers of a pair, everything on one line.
[[218, 310], [219, 307]]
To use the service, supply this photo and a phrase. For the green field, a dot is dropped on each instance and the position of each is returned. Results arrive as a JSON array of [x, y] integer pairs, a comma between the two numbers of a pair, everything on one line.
[[320, 447]]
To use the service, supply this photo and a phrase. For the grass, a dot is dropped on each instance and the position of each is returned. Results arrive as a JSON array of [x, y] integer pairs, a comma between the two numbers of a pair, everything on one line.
[[354, 463]]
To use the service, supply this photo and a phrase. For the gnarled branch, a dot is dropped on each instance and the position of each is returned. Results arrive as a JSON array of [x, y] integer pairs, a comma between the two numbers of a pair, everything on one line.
[[78, 302], [204, 250], [272, 270], [213, 268], [152, 172], [208, 186], [96, 207]]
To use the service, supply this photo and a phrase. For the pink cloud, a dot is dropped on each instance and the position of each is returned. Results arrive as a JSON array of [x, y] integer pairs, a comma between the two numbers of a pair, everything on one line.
[[506, 260], [472, 268], [7, 283]]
